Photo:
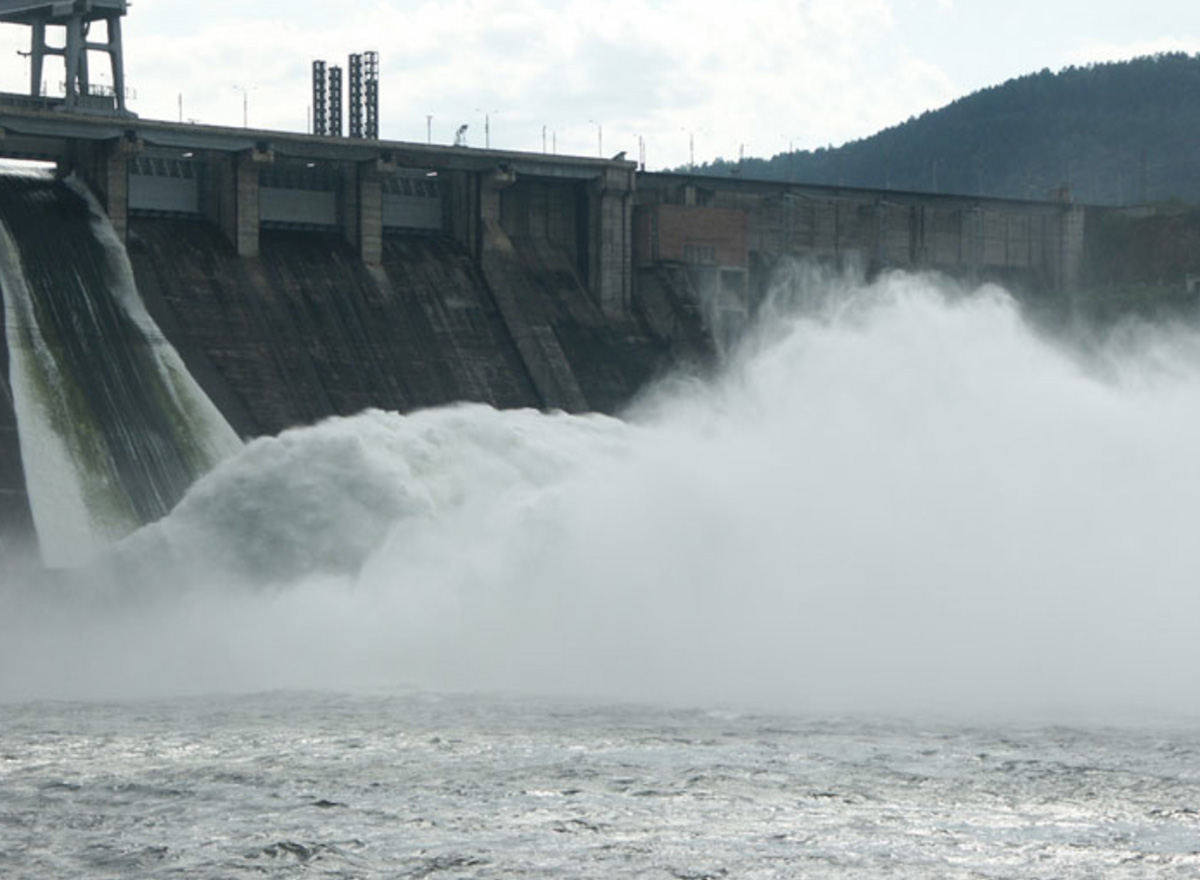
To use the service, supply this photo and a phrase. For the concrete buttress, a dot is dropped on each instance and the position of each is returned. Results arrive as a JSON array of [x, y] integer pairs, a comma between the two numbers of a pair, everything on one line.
[[610, 246]]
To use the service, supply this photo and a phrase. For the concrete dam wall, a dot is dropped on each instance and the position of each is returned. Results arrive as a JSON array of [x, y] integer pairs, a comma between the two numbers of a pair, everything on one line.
[[306, 330], [299, 277]]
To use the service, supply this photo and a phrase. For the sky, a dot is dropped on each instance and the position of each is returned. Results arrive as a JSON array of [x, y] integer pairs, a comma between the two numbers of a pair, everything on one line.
[[681, 80]]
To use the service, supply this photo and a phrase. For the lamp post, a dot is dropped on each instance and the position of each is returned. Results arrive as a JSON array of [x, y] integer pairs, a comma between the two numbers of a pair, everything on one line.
[[245, 103], [487, 126], [791, 142], [691, 133], [599, 138]]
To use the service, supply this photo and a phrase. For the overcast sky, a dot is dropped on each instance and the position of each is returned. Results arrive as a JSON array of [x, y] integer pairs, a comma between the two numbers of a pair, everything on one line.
[[766, 74]]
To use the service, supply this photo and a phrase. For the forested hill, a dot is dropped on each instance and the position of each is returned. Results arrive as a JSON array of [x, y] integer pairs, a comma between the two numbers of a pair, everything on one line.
[[1115, 133]]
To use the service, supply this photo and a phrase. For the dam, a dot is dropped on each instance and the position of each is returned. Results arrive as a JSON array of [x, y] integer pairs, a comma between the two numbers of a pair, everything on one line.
[[301, 276]]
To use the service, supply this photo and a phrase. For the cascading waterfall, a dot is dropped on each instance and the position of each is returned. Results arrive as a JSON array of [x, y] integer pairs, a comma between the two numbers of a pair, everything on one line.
[[112, 427]]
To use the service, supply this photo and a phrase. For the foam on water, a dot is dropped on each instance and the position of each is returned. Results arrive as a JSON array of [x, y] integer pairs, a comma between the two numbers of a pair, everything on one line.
[[897, 497]]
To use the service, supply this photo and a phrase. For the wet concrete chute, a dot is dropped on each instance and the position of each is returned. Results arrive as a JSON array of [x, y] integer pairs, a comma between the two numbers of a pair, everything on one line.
[[112, 429]]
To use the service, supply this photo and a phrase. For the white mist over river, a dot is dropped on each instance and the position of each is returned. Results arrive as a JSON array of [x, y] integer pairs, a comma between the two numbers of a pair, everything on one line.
[[896, 497]]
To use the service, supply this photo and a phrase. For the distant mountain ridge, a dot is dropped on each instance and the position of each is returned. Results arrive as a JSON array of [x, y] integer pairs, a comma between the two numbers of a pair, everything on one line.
[[1119, 133]]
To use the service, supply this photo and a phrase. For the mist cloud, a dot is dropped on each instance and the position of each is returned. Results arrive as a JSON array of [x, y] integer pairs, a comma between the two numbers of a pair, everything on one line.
[[897, 498]]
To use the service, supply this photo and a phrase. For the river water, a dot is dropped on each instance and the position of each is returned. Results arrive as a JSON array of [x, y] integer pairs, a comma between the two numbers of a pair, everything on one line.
[[425, 785], [907, 591]]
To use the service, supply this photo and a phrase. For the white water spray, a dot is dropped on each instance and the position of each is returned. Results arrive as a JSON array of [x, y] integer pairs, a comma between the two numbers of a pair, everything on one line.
[[896, 498]]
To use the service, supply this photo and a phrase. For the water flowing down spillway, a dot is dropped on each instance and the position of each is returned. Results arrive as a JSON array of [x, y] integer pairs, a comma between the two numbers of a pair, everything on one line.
[[112, 428], [896, 497]]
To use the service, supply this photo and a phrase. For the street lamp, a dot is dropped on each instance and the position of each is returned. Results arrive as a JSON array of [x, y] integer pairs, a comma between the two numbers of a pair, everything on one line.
[[245, 103], [791, 142], [487, 126], [691, 133], [599, 138]]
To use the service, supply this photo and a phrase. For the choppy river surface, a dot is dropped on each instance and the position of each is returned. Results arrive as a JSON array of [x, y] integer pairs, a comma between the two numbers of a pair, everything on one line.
[[421, 785]]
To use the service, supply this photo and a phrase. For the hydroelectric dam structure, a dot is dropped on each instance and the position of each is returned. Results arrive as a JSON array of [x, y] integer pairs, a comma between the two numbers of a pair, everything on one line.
[[301, 276]]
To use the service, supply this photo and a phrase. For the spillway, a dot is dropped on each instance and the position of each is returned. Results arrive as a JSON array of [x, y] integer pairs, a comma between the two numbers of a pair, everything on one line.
[[111, 428]]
